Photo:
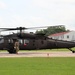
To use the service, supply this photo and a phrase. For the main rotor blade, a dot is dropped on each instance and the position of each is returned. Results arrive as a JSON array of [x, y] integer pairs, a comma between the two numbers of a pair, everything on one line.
[[9, 29], [23, 28]]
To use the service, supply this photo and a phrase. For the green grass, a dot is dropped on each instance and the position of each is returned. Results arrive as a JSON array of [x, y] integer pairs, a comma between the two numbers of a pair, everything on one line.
[[37, 66]]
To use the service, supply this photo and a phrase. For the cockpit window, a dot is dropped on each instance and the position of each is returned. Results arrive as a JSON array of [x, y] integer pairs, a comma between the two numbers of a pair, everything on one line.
[[1, 37]]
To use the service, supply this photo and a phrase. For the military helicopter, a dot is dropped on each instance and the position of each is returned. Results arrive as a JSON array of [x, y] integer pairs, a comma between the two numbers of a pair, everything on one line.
[[31, 41]]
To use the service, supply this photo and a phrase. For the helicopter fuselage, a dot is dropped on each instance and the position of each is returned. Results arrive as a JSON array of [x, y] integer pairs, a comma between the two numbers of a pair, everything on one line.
[[33, 42]]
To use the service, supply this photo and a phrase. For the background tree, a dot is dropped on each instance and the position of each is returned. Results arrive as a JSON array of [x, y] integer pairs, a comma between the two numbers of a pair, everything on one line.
[[52, 30]]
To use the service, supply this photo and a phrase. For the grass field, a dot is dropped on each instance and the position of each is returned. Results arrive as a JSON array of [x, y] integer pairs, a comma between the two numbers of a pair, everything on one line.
[[37, 66]]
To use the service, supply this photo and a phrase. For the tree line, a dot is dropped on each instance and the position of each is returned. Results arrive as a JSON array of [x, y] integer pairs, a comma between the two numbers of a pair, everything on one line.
[[52, 30]]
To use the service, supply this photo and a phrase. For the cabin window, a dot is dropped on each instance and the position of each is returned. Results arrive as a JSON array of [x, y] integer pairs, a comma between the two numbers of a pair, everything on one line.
[[1, 40], [26, 41], [1, 37], [10, 41], [21, 41]]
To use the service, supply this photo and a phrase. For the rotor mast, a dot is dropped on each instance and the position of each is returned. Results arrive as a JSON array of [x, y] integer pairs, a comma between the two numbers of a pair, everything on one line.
[[21, 29]]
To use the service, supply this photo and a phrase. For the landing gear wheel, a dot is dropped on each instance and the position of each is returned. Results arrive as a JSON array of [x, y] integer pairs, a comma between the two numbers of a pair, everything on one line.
[[12, 51], [73, 51]]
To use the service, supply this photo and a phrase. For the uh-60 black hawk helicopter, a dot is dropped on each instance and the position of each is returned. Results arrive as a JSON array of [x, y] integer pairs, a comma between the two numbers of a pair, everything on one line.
[[31, 41]]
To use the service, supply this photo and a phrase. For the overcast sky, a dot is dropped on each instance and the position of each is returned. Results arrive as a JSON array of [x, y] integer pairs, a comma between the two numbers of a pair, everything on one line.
[[31, 13]]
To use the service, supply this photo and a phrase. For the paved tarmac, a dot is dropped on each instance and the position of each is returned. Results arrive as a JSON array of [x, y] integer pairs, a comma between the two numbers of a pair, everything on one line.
[[39, 54]]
